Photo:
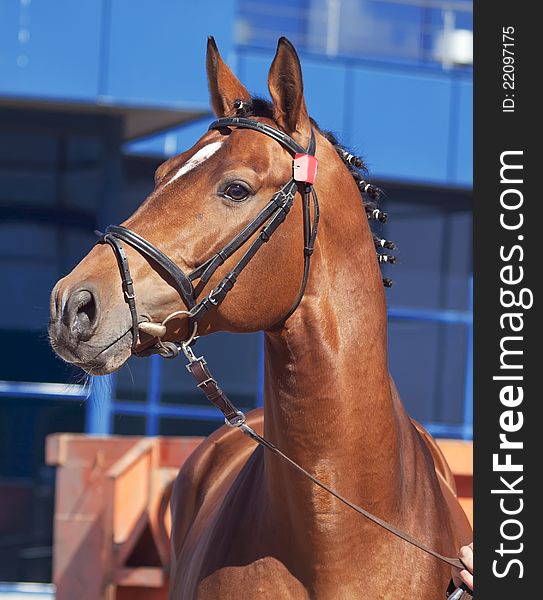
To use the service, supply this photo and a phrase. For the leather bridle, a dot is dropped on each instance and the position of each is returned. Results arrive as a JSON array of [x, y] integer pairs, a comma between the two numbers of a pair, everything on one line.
[[268, 220]]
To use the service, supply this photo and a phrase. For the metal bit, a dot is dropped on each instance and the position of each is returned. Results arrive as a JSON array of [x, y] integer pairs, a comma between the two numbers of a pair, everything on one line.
[[154, 329]]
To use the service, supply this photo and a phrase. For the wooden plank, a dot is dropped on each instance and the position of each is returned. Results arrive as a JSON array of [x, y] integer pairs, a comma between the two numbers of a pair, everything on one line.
[[459, 455], [78, 449], [149, 577], [141, 593], [55, 450], [129, 481], [141, 447]]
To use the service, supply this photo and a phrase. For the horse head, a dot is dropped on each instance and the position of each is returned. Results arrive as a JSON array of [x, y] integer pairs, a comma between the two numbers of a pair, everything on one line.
[[202, 200]]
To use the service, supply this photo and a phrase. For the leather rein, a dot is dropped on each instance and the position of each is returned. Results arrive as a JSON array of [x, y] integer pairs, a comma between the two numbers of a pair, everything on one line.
[[267, 221]]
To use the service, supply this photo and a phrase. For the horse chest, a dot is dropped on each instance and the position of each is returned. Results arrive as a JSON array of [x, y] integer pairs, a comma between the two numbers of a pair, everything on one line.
[[265, 578], [234, 559], [269, 579]]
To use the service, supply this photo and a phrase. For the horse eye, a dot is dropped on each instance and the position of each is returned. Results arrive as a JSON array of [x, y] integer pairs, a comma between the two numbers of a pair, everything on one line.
[[235, 191]]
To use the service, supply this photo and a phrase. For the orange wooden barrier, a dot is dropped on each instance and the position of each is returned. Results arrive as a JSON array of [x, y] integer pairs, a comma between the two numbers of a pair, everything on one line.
[[459, 455], [111, 525], [111, 528]]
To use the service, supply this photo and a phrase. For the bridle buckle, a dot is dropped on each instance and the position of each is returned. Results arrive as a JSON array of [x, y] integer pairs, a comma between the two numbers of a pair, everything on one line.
[[207, 382], [212, 299]]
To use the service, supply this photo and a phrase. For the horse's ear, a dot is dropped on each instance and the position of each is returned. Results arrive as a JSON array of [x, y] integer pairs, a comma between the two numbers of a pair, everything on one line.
[[224, 87], [287, 91]]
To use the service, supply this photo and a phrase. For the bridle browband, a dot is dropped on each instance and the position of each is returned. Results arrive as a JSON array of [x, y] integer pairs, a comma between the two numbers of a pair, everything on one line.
[[268, 220]]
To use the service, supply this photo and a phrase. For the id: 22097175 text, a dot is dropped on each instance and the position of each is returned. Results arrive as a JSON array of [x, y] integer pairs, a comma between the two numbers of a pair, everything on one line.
[[508, 69]]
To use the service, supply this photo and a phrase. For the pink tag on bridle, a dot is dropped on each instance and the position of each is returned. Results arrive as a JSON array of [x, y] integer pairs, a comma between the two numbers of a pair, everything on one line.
[[305, 168]]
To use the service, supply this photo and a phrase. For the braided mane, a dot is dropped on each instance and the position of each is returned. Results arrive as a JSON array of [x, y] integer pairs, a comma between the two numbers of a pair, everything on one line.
[[260, 107]]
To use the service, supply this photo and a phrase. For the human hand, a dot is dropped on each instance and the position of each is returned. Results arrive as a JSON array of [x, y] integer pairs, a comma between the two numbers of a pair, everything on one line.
[[465, 576]]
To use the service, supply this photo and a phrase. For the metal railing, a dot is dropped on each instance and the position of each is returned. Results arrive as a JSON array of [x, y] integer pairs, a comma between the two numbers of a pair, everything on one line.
[[102, 403], [25, 591], [463, 430]]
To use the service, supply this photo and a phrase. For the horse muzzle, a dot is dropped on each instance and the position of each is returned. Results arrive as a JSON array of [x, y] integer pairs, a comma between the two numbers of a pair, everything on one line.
[[78, 333]]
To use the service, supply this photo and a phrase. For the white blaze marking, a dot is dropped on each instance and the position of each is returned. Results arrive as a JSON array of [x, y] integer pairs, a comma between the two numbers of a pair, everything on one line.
[[202, 154]]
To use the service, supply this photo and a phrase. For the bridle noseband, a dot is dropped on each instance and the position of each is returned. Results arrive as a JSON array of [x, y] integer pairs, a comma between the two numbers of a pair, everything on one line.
[[267, 220]]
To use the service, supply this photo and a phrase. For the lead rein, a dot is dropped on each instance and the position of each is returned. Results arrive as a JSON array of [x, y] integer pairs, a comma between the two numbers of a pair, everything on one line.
[[197, 367]]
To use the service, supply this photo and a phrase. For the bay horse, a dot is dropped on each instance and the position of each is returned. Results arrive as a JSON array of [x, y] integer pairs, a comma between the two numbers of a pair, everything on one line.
[[244, 524]]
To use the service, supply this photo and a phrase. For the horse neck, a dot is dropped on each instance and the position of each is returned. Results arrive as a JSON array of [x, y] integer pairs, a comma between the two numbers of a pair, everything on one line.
[[328, 399]]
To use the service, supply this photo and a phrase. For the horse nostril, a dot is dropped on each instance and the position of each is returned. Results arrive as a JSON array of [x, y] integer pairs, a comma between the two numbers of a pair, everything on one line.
[[81, 314]]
